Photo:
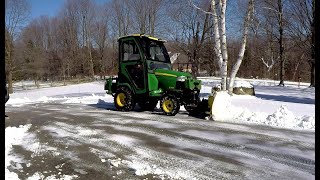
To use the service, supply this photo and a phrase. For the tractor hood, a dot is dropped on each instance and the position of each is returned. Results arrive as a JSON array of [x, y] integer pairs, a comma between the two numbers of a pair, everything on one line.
[[168, 80], [170, 73]]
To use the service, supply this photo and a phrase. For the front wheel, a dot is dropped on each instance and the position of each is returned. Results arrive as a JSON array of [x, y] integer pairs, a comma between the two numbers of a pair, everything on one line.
[[124, 100], [170, 105], [191, 110]]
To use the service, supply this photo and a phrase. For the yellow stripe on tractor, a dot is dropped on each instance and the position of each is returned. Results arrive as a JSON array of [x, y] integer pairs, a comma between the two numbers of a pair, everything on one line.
[[143, 35], [164, 74]]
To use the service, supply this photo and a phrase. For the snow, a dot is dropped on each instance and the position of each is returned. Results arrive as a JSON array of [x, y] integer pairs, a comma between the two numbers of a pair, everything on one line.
[[224, 110], [37, 176], [286, 107], [122, 139], [221, 106], [242, 83], [14, 136], [290, 107], [86, 93]]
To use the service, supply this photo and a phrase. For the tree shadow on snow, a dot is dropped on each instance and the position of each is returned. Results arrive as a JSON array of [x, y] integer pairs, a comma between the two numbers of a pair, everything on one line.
[[282, 98]]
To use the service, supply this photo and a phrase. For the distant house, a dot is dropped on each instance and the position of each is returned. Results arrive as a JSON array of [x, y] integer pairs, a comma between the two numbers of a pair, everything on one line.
[[181, 63]]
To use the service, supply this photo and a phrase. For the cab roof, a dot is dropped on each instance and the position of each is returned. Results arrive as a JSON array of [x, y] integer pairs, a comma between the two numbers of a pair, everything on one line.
[[142, 35]]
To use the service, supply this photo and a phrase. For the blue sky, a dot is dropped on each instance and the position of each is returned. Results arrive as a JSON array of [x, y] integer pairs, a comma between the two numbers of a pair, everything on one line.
[[45, 7], [51, 8], [48, 7]]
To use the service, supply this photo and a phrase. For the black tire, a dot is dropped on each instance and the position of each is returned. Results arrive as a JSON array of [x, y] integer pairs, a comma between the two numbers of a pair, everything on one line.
[[191, 110], [148, 105], [169, 105], [124, 100], [6, 96]]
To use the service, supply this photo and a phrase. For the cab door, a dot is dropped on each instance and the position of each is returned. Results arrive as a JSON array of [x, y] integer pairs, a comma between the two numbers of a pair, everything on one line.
[[132, 65]]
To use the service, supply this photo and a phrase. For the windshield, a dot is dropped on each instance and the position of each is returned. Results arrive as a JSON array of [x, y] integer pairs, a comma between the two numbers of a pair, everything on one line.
[[156, 54], [155, 50]]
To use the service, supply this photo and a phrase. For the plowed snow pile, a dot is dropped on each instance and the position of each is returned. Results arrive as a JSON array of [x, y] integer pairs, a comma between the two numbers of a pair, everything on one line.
[[223, 110]]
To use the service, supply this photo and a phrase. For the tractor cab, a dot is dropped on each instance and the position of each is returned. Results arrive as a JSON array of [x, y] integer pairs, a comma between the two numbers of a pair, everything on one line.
[[145, 77], [138, 56]]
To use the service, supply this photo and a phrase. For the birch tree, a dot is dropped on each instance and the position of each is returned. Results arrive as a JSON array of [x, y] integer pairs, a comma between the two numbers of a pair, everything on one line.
[[243, 44], [217, 45], [218, 11]]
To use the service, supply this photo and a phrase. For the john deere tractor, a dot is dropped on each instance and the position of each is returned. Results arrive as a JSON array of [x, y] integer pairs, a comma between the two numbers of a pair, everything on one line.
[[145, 77]]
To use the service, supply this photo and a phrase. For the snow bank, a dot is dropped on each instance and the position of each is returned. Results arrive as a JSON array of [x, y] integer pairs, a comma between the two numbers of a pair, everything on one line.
[[14, 136], [85, 93], [241, 83], [223, 110]]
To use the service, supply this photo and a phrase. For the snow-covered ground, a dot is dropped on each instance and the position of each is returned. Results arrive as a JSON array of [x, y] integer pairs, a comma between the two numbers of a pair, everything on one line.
[[289, 107]]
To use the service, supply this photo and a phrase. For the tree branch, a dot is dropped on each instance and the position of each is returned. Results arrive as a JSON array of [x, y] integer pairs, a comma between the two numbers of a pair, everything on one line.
[[195, 6]]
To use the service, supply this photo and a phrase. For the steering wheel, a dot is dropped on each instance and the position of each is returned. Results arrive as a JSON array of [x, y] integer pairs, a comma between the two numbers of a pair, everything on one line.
[[152, 65]]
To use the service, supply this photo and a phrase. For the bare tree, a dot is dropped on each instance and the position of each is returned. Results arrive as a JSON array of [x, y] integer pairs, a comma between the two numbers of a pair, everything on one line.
[[276, 8], [145, 13], [16, 14], [280, 21], [86, 12], [101, 36], [82, 39], [195, 29], [313, 48], [139, 10], [122, 17], [243, 44], [70, 40], [301, 30], [34, 41]]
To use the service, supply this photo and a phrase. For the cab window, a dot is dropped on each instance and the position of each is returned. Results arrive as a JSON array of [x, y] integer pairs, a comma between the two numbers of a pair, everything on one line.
[[130, 51]]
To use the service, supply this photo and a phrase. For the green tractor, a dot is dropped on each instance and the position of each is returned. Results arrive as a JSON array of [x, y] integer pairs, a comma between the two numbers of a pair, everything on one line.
[[146, 77]]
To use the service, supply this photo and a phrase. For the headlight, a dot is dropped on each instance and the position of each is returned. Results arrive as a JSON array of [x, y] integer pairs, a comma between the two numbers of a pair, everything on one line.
[[181, 78]]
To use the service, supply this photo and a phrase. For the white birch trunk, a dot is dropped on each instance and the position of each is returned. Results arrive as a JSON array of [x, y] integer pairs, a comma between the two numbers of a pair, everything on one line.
[[224, 70], [217, 39], [236, 66], [217, 46]]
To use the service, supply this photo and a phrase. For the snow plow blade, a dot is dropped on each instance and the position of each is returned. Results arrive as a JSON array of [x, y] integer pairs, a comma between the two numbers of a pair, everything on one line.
[[215, 107], [203, 108]]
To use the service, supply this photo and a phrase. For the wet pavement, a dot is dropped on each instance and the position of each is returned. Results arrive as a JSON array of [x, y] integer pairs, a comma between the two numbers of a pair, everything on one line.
[[97, 142]]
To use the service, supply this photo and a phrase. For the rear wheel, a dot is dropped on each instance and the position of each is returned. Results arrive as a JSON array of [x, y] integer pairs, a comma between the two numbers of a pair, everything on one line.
[[124, 100], [170, 105], [148, 105]]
